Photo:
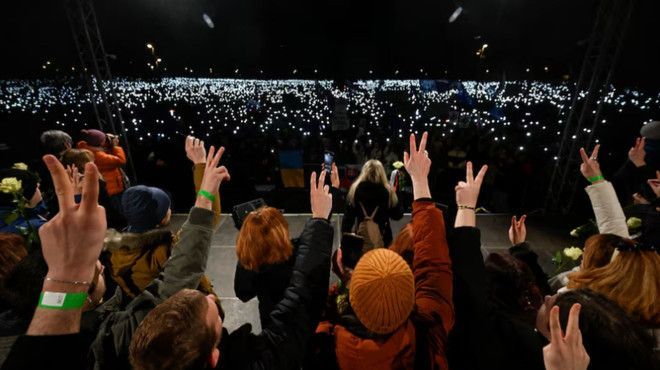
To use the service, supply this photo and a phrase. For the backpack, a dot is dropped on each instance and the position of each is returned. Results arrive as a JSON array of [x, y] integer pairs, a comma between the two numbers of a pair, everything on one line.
[[369, 230]]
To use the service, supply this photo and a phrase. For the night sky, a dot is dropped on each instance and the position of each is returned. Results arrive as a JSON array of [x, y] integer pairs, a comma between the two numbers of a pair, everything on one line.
[[338, 38]]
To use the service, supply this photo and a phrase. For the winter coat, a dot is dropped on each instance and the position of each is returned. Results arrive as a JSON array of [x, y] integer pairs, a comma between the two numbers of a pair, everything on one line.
[[372, 195], [283, 342], [420, 342], [268, 284], [485, 336], [113, 330], [609, 214], [109, 162]]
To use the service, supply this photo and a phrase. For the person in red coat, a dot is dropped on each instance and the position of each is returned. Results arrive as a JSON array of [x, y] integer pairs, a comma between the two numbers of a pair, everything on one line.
[[109, 157]]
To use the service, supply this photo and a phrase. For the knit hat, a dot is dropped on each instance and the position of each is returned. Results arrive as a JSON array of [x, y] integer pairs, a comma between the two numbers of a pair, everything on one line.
[[29, 183], [144, 207], [382, 291], [651, 130], [93, 137]]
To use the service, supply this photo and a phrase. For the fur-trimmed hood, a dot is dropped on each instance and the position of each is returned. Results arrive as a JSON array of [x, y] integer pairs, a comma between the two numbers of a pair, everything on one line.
[[115, 240]]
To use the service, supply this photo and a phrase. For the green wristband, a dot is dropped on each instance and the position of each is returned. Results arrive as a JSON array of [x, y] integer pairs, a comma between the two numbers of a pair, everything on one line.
[[62, 301], [207, 195], [595, 178]]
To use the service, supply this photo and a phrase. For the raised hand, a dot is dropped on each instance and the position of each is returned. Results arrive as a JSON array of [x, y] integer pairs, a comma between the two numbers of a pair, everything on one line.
[[418, 165], [565, 352], [590, 168], [320, 196], [195, 150], [75, 178], [636, 154], [518, 230], [213, 177], [72, 240], [467, 192], [334, 175]]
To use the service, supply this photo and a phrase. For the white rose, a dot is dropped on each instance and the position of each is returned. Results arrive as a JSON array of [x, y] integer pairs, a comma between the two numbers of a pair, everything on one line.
[[573, 253], [20, 166], [10, 185]]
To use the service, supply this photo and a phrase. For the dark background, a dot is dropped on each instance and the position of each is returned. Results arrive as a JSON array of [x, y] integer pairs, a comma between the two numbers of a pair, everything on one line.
[[339, 38]]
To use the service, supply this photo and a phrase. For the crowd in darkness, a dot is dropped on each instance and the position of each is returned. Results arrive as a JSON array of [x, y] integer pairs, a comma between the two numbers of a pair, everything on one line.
[[91, 277], [514, 126]]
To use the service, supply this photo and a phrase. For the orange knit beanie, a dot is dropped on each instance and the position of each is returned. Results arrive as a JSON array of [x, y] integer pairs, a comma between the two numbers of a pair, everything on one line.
[[382, 291]]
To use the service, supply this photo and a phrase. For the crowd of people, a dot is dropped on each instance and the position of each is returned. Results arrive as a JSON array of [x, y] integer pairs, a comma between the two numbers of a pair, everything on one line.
[[91, 279], [514, 125]]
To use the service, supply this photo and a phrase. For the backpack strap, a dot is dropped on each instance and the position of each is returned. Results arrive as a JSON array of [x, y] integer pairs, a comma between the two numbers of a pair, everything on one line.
[[366, 215]]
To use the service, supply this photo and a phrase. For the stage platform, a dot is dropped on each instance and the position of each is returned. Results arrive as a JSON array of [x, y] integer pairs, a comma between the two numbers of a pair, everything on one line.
[[546, 234]]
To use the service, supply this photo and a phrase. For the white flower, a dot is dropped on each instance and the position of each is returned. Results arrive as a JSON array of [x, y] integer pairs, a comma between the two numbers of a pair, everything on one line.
[[10, 185], [20, 166], [573, 253], [574, 233]]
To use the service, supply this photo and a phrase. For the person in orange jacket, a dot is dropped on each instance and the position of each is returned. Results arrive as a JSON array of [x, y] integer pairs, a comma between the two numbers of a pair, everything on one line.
[[398, 317], [109, 157]]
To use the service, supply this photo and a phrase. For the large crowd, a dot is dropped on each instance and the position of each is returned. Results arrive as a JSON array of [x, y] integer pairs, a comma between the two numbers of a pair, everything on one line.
[[91, 278], [515, 125]]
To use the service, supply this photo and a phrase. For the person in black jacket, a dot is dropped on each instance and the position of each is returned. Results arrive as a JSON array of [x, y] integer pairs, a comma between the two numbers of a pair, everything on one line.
[[371, 190], [265, 259], [178, 334]]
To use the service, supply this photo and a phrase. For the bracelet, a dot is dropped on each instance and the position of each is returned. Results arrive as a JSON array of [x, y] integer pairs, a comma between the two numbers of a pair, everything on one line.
[[68, 282], [466, 207], [62, 301], [206, 195], [595, 178]]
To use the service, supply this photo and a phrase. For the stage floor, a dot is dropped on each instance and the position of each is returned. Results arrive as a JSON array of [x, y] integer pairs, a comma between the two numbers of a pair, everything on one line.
[[543, 233]]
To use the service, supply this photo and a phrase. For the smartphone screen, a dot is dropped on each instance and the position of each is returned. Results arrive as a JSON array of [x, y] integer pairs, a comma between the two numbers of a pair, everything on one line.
[[328, 159]]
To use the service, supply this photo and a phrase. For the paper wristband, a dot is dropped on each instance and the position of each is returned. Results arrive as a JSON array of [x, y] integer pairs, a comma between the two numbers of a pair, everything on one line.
[[596, 178], [62, 301], [207, 195]]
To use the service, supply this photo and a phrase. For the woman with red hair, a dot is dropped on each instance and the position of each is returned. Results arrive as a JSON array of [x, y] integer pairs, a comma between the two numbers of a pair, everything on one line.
[[265, 259]]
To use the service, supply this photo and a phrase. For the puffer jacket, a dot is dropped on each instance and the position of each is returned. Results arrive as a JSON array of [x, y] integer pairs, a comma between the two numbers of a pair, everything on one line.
[[137, 259], [283, 342], [420, 342], [112, 330], [607, 209], [109, 161]]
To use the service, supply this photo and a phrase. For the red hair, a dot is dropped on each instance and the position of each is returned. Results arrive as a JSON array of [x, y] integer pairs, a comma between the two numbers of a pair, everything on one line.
[[263, 239]]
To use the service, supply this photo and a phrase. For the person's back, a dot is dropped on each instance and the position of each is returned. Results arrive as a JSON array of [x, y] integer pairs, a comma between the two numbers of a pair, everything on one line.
[[401, 317]]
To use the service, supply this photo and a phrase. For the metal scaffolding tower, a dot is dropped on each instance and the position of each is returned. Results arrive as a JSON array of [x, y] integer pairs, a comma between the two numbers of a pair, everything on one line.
[[584, 117], [96, 71]]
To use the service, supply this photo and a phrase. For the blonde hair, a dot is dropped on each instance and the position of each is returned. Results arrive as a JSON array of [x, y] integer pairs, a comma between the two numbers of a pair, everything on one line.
[[372, 171], [630, 280], [263, 239]]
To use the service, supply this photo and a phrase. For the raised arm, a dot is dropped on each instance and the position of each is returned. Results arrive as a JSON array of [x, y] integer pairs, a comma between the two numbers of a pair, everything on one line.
[[431, 263], [521, 250], [607, 209], [71, 243], [295, 317], [196, 152], [116, 157], [186, 265], [468, 339]]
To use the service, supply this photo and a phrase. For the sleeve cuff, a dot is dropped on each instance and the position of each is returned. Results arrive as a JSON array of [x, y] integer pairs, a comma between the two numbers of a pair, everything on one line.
[[201, 217]]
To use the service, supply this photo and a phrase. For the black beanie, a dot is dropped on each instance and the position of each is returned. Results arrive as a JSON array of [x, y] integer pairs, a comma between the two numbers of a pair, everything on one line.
[[29, 183], [144, 207]]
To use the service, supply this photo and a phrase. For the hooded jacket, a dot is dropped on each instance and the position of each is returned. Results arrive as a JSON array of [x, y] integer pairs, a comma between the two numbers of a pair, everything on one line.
[[420, 342], [109, 163]]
